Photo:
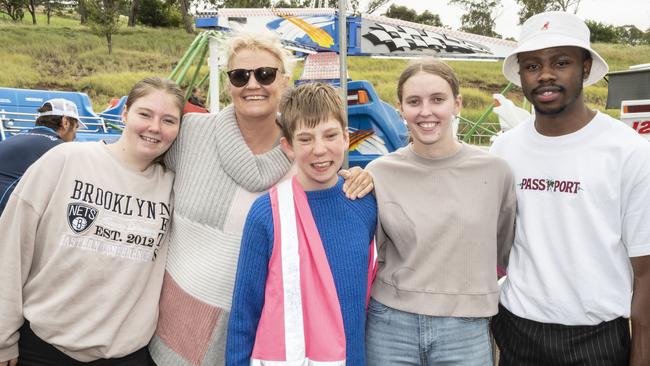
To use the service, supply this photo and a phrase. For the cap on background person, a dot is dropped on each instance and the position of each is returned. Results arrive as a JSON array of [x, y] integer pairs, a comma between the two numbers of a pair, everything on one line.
[[63, 108], [554, 29]]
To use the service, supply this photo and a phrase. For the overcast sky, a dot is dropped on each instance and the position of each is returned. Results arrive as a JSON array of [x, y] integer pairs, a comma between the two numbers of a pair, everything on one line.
[[614, 12]]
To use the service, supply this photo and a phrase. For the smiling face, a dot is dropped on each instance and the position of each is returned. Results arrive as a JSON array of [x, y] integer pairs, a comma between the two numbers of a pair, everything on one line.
[[428, 105], [552, 78], [254, 100], [152, 124], [318, 153]]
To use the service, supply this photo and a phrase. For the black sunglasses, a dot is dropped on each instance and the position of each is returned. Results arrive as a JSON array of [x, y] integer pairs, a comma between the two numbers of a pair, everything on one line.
[[263, 75]]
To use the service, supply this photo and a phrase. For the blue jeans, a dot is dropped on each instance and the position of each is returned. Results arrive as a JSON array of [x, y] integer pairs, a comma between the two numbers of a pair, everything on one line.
[[395, 337]]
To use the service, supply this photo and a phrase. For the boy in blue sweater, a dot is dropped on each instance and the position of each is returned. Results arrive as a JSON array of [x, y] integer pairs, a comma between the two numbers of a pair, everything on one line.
[[307, 255]]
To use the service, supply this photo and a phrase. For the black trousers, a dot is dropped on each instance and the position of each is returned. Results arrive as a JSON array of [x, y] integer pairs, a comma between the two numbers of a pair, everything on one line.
[[524, 342], [33, 351]]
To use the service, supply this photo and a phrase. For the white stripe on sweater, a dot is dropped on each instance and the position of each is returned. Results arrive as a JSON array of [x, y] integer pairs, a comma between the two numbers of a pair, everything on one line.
[[294, 328]]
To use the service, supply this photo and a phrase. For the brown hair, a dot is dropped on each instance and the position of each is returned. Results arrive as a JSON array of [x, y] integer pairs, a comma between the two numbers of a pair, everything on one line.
[[260, 42], [430, 66], [53, 122], [309, 104], [145, 86]]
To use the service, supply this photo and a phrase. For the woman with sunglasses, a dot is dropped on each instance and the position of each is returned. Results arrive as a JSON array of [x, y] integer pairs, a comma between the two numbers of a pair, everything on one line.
[[223, 163]]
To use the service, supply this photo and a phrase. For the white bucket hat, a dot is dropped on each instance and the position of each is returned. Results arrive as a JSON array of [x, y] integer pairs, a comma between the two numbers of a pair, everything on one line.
[[554, 29]]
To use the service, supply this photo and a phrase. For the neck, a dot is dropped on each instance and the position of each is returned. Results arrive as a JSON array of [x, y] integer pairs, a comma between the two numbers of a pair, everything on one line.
[[439, 150], [121, 151], [565, 122], [261, 134]]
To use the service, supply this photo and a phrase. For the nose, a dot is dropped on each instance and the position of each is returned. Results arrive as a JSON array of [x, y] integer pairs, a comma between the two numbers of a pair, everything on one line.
[[547, 73], [319, 147], [252, 82], [154, 126], [427, 109]]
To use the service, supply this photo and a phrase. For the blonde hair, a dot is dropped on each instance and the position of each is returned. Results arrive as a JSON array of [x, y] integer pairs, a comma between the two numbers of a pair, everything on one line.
[[432, 66], [260, 42], [309, 104]]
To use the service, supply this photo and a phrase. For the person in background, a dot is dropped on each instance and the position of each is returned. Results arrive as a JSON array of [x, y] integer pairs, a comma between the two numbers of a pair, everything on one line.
[[446, 223], [196, 102], [84, 243], [57, 122], [223, 162], [332, 284], [580, 264]]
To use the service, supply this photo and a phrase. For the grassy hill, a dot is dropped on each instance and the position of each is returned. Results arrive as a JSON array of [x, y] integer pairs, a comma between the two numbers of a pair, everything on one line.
[[67, 56]]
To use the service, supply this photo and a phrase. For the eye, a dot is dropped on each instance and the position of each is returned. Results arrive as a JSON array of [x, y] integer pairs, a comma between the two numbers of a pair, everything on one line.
[[563, 63], [438, 100], [413, 102], [143, 114], [331, 136], [531, 67], [304, 139], [170, 121]]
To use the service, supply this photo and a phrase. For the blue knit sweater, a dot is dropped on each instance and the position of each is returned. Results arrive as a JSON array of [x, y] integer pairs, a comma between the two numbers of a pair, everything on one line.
[[346, 228]]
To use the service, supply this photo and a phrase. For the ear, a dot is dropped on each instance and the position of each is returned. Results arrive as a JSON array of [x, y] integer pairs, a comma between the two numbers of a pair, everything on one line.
[[287, 148], [458, 104], [123, 114], [586, 67], [346, 136], [65, 123]]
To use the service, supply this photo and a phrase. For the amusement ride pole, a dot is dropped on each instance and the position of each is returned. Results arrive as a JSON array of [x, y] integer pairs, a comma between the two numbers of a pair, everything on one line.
[[215, 72], [343, 65]]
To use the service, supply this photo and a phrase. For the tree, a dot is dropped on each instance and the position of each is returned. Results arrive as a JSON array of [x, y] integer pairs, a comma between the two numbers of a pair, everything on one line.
[[564, 5], [480, 17], [373, 5], [13, 8], [31, 8], [629, 34], [429, 18], [601, 32], [159, 13], [401, 12], [532, 7], [83, 13], [104, 18], [133, 12], [50, 6]]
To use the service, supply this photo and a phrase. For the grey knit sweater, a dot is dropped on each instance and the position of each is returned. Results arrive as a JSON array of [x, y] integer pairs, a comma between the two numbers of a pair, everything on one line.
[[217, 180]]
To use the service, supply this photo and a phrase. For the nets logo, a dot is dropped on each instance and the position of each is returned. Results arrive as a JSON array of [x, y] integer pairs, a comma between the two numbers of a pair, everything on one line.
[[80, 217]]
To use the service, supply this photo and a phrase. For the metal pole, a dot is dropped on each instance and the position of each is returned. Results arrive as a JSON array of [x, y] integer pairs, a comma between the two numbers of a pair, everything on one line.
[[213, 65], [343, 65]]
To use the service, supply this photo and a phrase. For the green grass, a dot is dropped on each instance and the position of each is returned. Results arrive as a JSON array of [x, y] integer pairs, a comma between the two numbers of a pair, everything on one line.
[[67, 56]]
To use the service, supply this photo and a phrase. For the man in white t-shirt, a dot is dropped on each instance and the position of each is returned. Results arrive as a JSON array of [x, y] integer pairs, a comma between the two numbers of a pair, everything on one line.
[[580, 264]]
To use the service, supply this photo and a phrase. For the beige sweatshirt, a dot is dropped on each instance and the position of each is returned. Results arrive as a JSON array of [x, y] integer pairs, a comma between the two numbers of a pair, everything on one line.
[[82, 253], [444, 224]]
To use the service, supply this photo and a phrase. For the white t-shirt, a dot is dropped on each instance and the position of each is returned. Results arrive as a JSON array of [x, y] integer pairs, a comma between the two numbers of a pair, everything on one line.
[[583, 203]]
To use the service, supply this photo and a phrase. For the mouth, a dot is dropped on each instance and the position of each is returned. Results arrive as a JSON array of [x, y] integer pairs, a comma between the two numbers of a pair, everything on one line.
[[547, 94], [427, 126], [255, 97], [150, 140], [322, 166]]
